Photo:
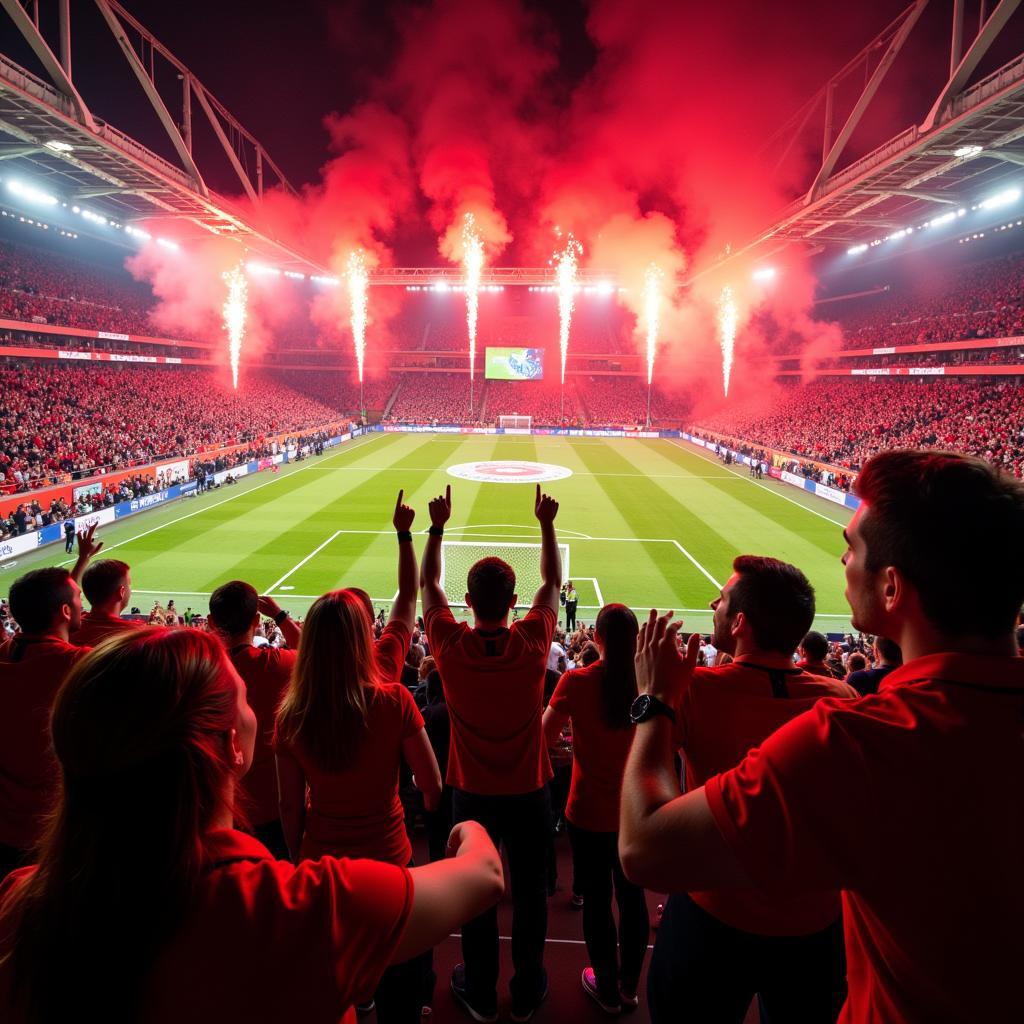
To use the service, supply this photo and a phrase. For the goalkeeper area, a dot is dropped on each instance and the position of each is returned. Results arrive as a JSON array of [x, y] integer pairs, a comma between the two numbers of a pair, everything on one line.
[[645, 522]]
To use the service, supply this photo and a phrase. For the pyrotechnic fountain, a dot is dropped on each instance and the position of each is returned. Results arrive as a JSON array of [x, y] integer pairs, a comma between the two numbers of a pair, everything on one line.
[[473, 263], [566, 263], [235, 311], [652, 304], [727, 317], [358, 280]]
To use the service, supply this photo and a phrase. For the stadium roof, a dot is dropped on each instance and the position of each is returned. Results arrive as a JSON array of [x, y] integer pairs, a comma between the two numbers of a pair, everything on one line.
[[49, 134], [969, 146]]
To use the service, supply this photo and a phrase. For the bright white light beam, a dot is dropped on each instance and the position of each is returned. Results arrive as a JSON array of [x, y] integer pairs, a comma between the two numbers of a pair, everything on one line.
[[728, 316], [235, 313]]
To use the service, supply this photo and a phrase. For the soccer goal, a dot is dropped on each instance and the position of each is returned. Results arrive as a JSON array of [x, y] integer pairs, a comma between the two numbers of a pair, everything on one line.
[[515, 422], [458, 556]]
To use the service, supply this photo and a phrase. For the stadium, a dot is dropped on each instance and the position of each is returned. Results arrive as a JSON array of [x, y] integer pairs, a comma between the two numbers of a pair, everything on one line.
[[253, 322]]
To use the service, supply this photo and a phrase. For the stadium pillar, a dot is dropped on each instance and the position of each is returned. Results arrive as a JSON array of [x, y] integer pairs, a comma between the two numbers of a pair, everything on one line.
[[957, 45], [65, 36]]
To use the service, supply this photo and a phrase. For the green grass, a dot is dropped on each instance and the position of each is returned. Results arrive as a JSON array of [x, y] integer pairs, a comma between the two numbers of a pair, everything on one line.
[[653, 522]]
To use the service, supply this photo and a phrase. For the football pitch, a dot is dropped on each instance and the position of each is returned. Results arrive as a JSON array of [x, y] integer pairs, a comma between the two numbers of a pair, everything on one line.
[[650, 523]]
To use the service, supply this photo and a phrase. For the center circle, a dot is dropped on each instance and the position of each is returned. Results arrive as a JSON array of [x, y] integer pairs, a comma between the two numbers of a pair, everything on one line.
[[509, 471]]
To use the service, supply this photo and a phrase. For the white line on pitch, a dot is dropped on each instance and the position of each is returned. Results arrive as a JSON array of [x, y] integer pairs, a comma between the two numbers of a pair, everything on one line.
[[206, 508], [764, 487], [294, 568], [597, 591], [697, 564]]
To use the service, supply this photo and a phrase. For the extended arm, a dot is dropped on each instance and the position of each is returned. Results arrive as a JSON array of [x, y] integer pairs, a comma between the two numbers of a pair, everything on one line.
[[419, 756], [450, 892], [668, 842], [553, 723], [404, 608], [430, 572], [290, 629], [545, 509], [88, 548]]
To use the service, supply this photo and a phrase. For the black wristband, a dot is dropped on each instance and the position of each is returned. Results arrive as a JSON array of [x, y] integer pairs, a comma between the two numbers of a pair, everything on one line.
[[404, 535], [280, 617], [436, 531]]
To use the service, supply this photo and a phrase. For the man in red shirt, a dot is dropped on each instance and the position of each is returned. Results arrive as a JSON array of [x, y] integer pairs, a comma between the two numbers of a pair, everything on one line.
[[717, 948], [498, 762], [107, 585], [235, 610], [907, 800]]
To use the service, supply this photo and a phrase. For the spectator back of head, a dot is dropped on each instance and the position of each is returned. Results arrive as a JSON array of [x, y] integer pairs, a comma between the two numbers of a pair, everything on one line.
[[815, 646], [777, 600], [233, 607], [491, 588], [37, 597], [103, 579], [953, 526]]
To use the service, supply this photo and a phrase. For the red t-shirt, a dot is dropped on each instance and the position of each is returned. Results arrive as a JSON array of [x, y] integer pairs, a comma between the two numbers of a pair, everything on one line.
[[265, 939], [599, 752], [31, 671], [723, 713], [357, 812], [494, 688], [909, 800], [265, 671], [97, 628]]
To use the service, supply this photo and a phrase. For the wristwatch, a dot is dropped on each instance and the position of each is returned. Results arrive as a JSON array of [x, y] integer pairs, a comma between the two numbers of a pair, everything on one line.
[[646, 707], [280, 617]]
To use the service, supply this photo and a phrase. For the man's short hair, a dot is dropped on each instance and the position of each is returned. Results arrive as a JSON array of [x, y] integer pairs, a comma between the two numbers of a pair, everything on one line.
[[491, 585], [815, 646], [37, 597], [953, 525], [233, 607], [889, 650], [775, 598], [102, 580]]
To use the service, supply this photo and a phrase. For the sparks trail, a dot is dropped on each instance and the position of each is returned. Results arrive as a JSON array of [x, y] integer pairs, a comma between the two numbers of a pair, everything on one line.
[[235, 311], [473, 264], [358, 281], [566, 263], [727, 320]]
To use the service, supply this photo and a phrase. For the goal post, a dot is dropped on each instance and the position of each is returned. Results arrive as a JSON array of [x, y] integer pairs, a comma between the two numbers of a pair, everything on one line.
[[459, 556], [515, 422]]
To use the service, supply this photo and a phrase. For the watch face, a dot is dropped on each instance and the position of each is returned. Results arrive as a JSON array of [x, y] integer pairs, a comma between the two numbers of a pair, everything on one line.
[[641, 706]]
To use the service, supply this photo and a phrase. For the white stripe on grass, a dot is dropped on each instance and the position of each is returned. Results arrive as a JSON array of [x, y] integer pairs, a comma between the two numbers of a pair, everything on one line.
[[299, 565]]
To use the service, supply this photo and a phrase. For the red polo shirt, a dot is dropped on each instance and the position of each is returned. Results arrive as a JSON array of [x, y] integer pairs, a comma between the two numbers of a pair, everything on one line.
[[723, 713], [265, 939], [265, 671], [96, 628], [494, 688], [31, 671], [599, 752], [909, 800]]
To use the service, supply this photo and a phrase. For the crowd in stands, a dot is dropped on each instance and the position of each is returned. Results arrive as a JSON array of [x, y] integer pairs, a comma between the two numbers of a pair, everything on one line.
[[544, 401], [339, 389], [845, 422], [58, 422], [435, 397], [808, 848]]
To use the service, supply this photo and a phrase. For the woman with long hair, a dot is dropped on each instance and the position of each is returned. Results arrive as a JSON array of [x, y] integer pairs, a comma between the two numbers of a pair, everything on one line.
[[145, 905], [344, 726], [597, 700]]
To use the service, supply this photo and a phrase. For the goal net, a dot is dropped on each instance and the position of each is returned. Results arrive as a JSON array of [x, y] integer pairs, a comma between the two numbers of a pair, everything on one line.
[[515, 422], [458, 556]]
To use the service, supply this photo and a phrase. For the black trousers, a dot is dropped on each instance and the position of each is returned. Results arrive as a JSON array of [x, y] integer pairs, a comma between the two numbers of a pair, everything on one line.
[[704, 970], [598, 871], [570, 615], [521, 824]]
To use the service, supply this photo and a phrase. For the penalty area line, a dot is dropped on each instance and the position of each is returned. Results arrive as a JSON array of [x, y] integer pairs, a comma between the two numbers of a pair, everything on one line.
[[299, 565]]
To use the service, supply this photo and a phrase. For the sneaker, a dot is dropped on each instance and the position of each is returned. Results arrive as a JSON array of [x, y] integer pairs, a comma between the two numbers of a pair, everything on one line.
[[576, 901], [521, 1012], [589, 980], [630, 1001], [459, 994]]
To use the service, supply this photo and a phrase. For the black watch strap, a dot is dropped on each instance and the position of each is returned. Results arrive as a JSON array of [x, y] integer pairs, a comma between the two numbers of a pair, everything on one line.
[[436, 531], [280, 617], [646, 707]]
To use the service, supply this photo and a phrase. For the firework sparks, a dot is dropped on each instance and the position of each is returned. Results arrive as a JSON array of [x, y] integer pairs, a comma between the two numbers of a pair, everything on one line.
[[566, 263], [473, 264], [727, 317], [235, 313], [652, 306], [358, 280]]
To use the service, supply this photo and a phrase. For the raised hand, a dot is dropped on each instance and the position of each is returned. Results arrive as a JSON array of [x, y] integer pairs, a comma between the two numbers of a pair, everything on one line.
[[87, 546], [441, 507], [404, 515], [545, 508], [661, 669], [266, 605]]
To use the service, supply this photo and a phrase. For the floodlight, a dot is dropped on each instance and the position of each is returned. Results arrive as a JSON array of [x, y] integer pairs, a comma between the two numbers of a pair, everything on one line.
[[764, 274], [58, 147], [965, 151], [1004, 198], [31, 193]]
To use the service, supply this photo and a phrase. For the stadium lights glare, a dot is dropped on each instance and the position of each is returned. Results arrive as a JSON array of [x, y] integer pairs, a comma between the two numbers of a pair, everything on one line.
[[96, 218], [1004, 198], [965, 151], [332, 282], [764, 274], [31, 194], [58, 147], [261, 268], [168, 244], [295, 275], [856, 250], [137, 233], [946, 218]]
